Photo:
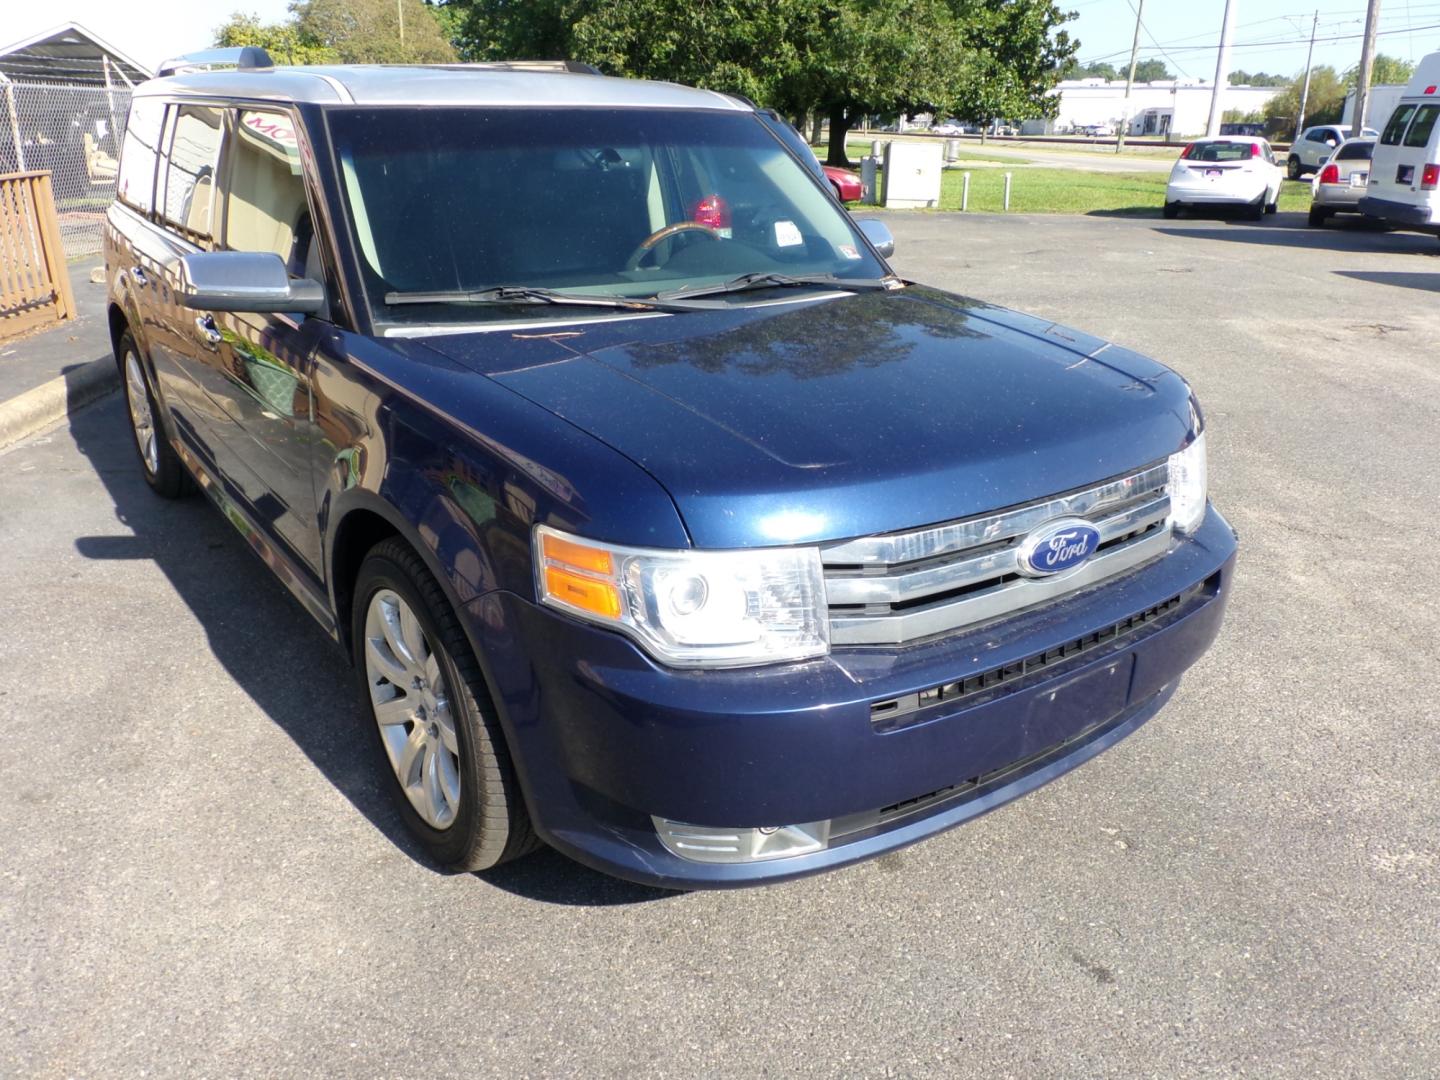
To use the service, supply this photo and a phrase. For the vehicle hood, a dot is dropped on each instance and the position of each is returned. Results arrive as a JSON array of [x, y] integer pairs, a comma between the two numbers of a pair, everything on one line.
[[850, 414]]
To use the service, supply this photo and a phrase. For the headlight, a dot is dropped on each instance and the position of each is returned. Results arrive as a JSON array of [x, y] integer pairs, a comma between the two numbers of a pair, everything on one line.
[[1188, 486], [691, 608]]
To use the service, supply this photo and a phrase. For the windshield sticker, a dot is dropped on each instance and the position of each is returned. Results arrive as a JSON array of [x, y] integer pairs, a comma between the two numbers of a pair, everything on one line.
[[849, 251], [787, 235]]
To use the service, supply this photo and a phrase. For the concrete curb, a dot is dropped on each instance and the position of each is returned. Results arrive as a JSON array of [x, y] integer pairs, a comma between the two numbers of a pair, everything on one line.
[[23, 416]]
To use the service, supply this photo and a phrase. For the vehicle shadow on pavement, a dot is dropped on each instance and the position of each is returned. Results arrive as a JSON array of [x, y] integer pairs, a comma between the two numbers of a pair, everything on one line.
[[1357, 237], [1398, 278], [279, 657]]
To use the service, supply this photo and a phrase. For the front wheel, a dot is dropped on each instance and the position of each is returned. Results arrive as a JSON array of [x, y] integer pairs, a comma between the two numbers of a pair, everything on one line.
[[438, 733], [1292, 167]]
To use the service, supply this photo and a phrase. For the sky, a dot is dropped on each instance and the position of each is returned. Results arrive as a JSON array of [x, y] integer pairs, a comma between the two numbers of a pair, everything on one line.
[[1270, 35]]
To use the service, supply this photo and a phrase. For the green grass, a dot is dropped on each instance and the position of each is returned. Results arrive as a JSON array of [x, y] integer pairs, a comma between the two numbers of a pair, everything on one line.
[[1052, 191]]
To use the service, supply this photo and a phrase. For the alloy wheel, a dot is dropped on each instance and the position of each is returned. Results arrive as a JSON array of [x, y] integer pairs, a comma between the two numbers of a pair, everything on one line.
[[142, 421], [412, 707]]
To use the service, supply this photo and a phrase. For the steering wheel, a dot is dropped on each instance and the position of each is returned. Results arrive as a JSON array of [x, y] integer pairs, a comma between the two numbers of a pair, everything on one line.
[[648, 244]]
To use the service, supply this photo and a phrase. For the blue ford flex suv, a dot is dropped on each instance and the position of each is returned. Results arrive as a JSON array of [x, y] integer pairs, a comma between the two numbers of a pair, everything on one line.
[[663, 522]]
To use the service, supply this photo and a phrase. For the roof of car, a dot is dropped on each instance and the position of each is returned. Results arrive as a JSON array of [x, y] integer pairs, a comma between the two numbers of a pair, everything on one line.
[[448, 84]]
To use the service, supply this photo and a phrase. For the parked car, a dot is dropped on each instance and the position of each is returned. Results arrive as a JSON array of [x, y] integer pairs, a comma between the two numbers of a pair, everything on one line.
[[661, 520], [1315, 146], [949, 128], [845, 183], [1231, 170], [1340, 183], [1404, 185]]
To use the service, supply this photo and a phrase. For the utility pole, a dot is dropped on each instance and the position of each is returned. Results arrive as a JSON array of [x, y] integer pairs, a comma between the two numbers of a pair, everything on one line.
[[1367, 61], [1129, 80], [1222, 71], [1305, 90], [400, 16]]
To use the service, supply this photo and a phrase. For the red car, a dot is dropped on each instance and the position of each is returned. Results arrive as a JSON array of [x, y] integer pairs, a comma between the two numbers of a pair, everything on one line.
[[845, 183]]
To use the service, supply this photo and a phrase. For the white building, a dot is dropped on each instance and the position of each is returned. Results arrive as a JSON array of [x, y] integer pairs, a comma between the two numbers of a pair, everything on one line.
[[1179, 107]]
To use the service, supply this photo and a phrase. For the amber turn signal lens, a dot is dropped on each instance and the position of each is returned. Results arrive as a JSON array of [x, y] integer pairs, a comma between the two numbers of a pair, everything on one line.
[[579, 556], [598, 597]]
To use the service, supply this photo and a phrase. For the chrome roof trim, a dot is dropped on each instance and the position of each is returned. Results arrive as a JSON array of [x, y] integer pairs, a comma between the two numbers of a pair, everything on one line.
[[439, 85]]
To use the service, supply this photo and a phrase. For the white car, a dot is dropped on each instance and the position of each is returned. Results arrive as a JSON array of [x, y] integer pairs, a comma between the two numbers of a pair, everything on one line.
[[1233, 170], [1315, 145]]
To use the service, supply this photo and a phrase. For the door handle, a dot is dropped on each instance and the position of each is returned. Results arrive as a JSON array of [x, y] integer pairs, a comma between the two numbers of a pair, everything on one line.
[[138, 275], [207, 331]]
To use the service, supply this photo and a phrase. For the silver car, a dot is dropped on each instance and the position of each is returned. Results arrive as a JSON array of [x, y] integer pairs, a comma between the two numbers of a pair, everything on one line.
[[1340, 183], [1315, 145]]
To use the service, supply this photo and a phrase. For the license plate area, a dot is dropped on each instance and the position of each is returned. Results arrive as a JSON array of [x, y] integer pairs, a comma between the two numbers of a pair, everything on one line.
[[1359, 179], [1214, 174]]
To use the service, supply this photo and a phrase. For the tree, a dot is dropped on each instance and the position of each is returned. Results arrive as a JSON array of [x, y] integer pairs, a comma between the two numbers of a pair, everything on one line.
[[1325, 104], [1152, 71], [1097, 70], [375, 31], [283, 41], [843, 58], [1386, 71], [1259, 78]]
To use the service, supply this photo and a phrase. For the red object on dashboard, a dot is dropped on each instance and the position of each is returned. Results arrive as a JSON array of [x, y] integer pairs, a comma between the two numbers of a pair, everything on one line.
[[713, 212]]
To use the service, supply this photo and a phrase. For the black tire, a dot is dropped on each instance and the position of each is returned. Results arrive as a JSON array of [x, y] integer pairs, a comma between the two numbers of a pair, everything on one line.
[[1273, 207], [1293, 169], [1256, 210], [1318, 217], [491, 824], [1170, 210], [162, 468]]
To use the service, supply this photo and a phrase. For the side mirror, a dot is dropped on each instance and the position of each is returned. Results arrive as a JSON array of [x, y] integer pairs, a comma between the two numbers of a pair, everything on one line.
[[878, 233], [245, 281]]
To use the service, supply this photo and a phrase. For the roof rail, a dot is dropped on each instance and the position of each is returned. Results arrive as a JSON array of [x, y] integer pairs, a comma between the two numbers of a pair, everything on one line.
[[575, 67], [243, 58]]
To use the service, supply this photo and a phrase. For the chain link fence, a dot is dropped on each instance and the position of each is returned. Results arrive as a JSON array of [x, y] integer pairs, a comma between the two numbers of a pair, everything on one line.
[[74, 132]]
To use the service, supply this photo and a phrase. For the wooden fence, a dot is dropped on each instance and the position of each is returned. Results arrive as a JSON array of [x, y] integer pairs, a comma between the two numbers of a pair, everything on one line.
[[34, 283]]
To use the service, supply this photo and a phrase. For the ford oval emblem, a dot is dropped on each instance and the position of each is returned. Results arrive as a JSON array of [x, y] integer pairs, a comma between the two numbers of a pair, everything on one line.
[[1057, 546]]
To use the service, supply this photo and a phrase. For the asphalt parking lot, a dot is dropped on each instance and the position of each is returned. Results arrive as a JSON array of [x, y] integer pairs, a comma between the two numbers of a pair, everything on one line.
[[202, 875]]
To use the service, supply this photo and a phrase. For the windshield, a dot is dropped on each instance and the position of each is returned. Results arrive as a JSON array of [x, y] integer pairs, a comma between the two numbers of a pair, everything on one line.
[[595, 202], [1222, 151]]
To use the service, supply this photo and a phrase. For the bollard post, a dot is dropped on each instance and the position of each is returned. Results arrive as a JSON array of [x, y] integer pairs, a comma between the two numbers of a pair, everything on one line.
[[965, 191], [1007, 192], [875, 150], [952, 149]]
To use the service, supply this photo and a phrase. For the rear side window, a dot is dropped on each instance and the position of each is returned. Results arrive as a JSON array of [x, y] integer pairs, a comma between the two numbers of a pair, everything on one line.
[[136, 183], [1356, 151], [1422, 125], [190, 175], [1396, 127], [265, 206]]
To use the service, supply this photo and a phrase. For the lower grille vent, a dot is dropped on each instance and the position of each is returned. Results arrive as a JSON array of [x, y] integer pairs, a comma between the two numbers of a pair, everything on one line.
[[897, 712]]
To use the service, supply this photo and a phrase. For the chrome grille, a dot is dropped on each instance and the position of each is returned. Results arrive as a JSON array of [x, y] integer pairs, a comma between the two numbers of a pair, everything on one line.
[[902, 587]]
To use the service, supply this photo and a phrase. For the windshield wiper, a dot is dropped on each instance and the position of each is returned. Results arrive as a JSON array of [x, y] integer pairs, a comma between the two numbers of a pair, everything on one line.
[[767, 280], [525, 294]]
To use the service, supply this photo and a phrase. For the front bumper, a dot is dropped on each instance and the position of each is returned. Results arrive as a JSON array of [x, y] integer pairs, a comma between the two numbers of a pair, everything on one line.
[[603, 738]]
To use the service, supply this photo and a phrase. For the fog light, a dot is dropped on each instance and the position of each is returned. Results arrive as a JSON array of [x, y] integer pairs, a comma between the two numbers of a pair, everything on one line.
[[703, 843]]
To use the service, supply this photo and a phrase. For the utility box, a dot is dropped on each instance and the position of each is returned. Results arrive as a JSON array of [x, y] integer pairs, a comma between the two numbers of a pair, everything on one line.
[[912, 175], [868, 192]]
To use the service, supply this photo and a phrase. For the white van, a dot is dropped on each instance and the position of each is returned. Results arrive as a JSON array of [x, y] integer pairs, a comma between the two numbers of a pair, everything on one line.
[[1404, 186]]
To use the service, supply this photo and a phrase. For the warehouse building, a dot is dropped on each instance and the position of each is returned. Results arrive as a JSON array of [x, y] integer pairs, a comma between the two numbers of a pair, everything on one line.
[[1178, 107]]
